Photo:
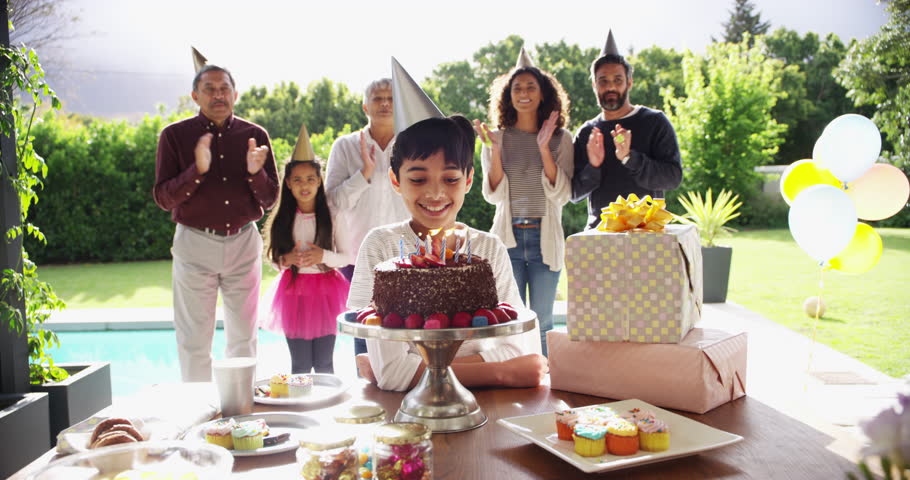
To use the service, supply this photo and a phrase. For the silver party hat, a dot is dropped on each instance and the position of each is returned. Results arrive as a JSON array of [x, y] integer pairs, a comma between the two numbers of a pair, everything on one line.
[[411, 103], [303, 150], [199, 61], [610, 48], [524, 60]]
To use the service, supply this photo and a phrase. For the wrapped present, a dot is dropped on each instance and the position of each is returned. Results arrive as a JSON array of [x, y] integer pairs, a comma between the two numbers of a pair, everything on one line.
[[637, 286], [634, 214], [705, 370]]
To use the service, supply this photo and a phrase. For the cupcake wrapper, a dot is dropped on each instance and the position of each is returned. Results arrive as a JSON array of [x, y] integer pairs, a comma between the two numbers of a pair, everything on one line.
[[589, 448], [226, 441], [564, 431], [619, 445], [279, 390], [248, 443], [654, 442]]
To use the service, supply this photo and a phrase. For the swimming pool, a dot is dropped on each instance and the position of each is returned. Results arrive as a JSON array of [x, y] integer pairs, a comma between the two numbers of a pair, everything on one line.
[[140, 358]]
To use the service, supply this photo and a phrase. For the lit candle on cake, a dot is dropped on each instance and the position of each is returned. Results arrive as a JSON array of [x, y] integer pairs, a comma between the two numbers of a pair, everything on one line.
[[457, 247], [401, 248], [442, 253]]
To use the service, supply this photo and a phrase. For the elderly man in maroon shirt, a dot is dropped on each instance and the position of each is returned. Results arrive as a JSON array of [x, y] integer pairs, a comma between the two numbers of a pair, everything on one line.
[[216, 174]]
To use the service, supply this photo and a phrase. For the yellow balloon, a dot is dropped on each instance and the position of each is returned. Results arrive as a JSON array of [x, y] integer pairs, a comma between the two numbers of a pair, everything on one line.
[[801, 175], [863, 252]]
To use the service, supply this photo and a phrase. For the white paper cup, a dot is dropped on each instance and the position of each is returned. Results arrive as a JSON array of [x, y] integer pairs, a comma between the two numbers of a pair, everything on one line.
[[234, 378]]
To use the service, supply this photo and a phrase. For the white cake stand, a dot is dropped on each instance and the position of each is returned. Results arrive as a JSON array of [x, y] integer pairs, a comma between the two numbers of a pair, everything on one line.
[[439, 400]]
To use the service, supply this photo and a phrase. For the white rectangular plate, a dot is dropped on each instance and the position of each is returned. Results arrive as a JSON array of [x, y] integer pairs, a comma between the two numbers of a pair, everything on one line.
[[687, 437]]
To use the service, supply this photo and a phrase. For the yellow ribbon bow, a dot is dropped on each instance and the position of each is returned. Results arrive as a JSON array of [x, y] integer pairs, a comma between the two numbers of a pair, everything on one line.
[[634, 213]]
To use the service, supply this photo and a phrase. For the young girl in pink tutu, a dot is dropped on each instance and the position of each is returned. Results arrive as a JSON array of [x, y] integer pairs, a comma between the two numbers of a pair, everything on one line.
[[306, 243]]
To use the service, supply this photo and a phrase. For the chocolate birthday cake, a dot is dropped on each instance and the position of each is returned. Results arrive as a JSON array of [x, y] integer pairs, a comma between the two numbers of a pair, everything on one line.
[[407, 288]]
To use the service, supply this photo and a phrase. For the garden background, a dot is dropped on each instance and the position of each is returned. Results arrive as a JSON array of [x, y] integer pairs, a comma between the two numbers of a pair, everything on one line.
[[754, 97]]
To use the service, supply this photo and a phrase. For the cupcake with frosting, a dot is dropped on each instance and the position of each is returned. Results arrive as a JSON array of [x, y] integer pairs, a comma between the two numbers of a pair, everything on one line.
[[653, 434], [249, 435], [589, 440], [278, 385], [219, 433], [565, 423], [622, 437], [300, 386]]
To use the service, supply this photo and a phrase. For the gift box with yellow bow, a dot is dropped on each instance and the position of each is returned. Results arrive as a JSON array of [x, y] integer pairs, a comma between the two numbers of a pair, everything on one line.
[[634, 278]]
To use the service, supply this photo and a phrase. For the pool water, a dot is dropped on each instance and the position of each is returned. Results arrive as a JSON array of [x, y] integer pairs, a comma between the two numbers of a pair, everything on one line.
[[140, 358]]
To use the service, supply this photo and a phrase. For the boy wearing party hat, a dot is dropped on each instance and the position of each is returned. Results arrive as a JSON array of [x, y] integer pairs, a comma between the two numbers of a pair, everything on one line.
[[609, 159], [432, 170]]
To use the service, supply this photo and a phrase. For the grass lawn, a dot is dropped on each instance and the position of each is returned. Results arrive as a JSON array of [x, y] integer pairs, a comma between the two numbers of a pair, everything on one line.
[[868, 316], [118, 285]]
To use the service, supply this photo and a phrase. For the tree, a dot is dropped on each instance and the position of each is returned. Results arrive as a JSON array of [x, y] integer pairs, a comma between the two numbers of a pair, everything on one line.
[[40, 23], [323, 104], [876, 73], [724, 125], [495, 59], [743, 21], [571, 65], [656, 69], [456, 89], [814, 97]]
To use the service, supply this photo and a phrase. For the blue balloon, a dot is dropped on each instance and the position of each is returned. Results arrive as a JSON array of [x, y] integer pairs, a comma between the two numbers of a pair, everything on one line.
[[822, 221]]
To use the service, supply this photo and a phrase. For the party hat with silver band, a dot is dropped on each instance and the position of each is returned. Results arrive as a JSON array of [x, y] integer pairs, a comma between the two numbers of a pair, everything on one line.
[[199, 60], [411, 103], [524, 60], [610, 47], [303, 150]]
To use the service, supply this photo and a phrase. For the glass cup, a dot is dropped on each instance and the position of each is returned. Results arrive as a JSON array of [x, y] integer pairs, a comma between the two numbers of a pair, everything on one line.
[[234, 378]]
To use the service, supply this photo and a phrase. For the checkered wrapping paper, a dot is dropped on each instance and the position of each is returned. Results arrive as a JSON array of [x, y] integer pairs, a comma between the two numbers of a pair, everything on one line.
[[633, 286]]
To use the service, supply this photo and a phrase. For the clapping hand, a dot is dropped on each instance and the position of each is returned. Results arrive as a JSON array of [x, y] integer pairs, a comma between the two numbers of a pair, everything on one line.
[[203, 153], [255, 157], [546, 130], [368, 156], [595, 147], [622, 140], [486, 135]]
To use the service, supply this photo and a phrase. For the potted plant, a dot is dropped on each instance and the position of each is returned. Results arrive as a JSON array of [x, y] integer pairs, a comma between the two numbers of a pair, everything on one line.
[[71, 398], [710, 216], [22, 412], [75, 391]]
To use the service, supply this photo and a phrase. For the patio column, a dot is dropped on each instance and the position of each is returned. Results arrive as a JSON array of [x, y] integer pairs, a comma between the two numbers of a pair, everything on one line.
[[13, 348]]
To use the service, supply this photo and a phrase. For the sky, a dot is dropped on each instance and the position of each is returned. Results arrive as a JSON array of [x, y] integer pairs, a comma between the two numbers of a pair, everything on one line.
[[130, 54]]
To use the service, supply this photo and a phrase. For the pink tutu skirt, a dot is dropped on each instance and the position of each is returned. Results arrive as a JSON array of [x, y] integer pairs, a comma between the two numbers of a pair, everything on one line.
[[306, 305]]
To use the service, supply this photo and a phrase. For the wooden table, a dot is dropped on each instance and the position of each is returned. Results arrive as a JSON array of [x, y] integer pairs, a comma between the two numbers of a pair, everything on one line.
[[775, 446]]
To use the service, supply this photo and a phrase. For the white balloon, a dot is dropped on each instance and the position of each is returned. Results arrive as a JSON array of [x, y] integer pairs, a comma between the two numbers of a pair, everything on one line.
[[848, 146], [822, 221], [817, 149]]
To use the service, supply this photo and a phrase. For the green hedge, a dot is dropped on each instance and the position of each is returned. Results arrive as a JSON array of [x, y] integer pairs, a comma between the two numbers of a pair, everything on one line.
[[96, 204]]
